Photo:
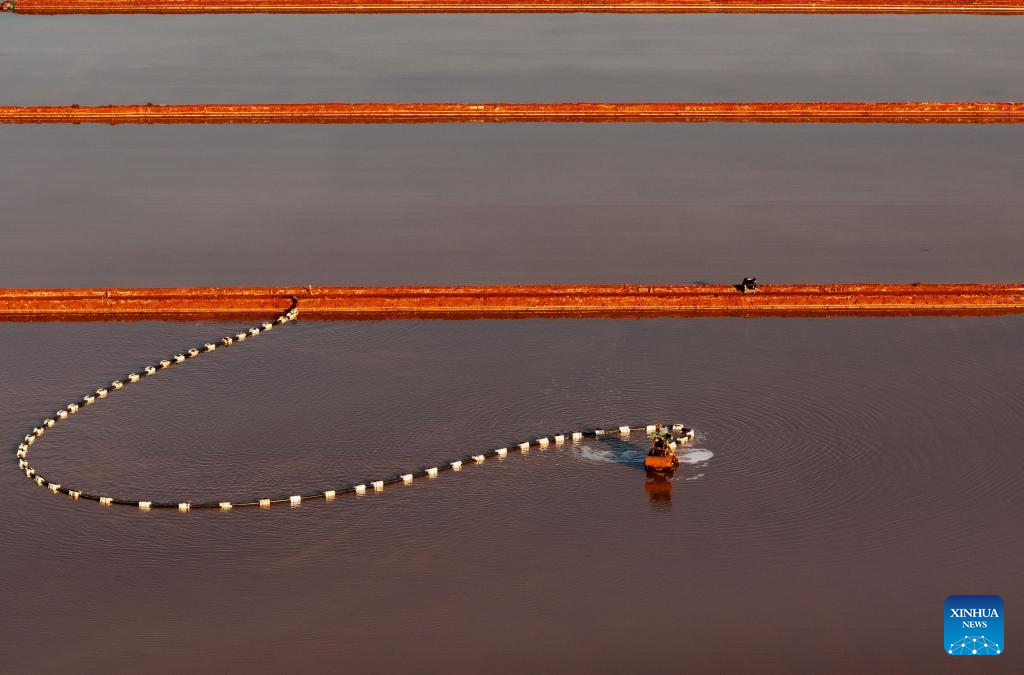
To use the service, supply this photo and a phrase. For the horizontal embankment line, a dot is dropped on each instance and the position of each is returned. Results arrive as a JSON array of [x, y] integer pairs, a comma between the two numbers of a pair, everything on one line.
[[907, 112], [509, 302], [519, 6]]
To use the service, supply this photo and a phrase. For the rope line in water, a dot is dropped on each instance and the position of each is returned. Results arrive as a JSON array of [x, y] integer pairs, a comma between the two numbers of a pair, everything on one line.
[[291, 315]]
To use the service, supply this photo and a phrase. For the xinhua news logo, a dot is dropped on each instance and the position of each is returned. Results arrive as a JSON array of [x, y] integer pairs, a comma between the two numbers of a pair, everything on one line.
[[974, 625]]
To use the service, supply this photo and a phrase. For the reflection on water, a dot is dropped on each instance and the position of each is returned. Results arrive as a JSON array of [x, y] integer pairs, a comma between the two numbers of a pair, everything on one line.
[[630, 452]]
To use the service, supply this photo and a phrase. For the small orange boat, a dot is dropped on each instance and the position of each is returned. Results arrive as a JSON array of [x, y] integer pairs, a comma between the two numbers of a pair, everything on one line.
[[661, 458]]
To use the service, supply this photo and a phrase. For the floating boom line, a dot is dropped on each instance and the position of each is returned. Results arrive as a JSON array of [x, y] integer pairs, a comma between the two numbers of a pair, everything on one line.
[[989, 7], [821, 112], [327, 494]]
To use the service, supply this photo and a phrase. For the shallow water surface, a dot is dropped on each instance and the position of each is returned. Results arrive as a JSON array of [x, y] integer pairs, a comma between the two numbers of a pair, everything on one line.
[[863, 469]]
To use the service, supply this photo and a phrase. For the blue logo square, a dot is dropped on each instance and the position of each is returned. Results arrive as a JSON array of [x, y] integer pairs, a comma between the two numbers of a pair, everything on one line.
[[974, 625]]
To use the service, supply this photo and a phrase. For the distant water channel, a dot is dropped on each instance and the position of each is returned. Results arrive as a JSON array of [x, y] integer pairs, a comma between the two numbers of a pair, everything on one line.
[[862, 469]]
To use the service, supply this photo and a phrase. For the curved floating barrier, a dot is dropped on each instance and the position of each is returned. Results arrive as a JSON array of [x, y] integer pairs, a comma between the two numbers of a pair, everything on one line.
[[513, 6], [330, 494]]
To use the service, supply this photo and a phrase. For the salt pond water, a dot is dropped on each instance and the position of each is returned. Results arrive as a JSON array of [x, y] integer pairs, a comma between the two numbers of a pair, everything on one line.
[[862, 469]]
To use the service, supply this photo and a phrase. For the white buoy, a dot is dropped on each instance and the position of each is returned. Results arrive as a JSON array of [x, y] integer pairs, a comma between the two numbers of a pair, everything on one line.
[[501, 452], [106, 501], [543, 442], [267, 326], [577, 435], [165, 364], [559, 439], [599, 432], [48, 423], [38, 431], [677, 427], [378, 486], [62, 414], [29, 472], [101, 393], [432, 472], [239, 337], [73, 408], [651, 428], [134, 377], [40, 480], [149, 370], [184, 507], [22, 464], [524, 447], [192, 353], [116, 384], [54, 487], [145, 506], [329, 495], [74, 494], [624, 430], [226, 341], [179, 358], [456, 466], [406, 478], [30, 439], [295, 500], [360, 489], [210, 346], [89, 399], [264, 503], [479, 459], [254, 332], [225, 506]]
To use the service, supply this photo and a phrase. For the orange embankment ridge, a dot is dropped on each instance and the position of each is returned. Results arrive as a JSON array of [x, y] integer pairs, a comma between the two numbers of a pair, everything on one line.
[[461, 302], [912, 112], [517, 6]]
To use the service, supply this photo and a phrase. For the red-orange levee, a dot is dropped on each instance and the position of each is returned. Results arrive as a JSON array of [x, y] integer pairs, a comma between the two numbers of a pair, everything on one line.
[[514, 6], [906, 112], [336, 303]]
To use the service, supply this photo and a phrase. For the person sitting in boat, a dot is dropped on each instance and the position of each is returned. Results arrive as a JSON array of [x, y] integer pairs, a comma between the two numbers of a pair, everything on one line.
[[662, 441]]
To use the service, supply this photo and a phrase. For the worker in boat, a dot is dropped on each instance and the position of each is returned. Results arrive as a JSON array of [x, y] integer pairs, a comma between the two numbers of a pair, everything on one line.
[[662, 441]]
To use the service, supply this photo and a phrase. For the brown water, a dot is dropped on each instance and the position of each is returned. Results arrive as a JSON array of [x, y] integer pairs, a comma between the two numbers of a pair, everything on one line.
[[863, 469]]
